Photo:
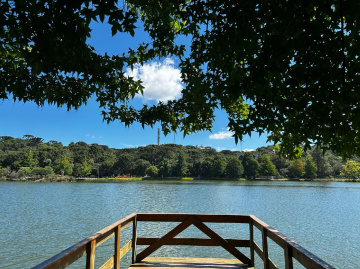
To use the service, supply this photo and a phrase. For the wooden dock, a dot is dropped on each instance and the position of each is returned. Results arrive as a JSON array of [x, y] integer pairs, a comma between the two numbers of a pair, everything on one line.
[[189, 263], [142, 260]]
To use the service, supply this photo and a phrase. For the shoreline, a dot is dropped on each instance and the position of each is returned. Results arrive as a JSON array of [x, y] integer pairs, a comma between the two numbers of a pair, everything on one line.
[[113, 180]]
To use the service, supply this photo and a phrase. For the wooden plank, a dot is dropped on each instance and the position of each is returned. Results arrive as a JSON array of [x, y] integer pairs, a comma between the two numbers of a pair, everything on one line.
[[117, 247], [76, 251], [251, 232], [288, 257], [90, 255], [306, 258], [172, 217], [189, 263], [123, 226], [64, 258], [174, 232], [272, 265], [221, 241], [125, 249], [134, 238], [108, 264], [102, 240], [193, 242], [265, 248], [71, 254], [309, 260], [258, 251]]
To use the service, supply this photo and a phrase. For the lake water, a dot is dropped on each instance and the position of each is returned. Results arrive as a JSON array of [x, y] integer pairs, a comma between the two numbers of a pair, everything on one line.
[[39, 220]]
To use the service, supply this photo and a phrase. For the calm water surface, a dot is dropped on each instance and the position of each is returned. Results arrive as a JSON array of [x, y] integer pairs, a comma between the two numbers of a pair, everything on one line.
[[38, 220]]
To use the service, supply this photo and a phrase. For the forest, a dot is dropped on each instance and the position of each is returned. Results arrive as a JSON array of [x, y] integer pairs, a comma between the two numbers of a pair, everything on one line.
[[30, 158]]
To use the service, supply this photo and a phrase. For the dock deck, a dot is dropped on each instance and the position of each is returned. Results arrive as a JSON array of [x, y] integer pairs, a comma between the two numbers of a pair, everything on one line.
[[189, 263], [141, 259]]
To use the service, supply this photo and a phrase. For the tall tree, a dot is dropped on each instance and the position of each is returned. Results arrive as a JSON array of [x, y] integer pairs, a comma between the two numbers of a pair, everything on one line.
[[84, 168], [29, 159], [152, 171], [322, 165], [218, 167], [351, 171], [234, 168], [140, 167], [64, 166], [180, 167], [125, 163], [296, 168], [251, 166], [278, 67], [165, 168], [310, 167], [267, 168]]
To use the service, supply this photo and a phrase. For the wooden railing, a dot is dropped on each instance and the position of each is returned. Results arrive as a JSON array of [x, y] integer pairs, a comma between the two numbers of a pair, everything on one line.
[[88, 245]]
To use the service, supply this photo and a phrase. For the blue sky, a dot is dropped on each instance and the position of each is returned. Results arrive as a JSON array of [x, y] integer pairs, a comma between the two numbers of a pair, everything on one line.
[[85, 124]]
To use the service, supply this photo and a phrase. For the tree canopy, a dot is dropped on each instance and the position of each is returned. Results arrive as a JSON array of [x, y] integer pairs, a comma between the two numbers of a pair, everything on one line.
[[286, 68], [21, 158]]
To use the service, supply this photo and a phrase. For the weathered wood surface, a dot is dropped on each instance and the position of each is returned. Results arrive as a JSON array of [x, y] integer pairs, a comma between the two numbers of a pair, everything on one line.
[[175, 217], [73, 253], [192, 242], [303, 256], [189, 263], [170, 235], [292, 251], [221, 241]]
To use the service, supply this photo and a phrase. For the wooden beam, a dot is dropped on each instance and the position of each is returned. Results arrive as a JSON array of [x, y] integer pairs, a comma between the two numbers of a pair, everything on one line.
[[252, 252], [98, 243], [125, 249], [76, 251], [221, 241], [189, 263], [117, 247], [265, 248], [108, 264], [134, 238], [174, 217], [288, 257], [90, 255], [163, 240], [193, 242], [124, 225], [306, 258], [259, 251]]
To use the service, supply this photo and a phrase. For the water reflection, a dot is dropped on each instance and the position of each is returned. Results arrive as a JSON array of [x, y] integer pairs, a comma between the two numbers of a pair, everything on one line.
[[40, 219]]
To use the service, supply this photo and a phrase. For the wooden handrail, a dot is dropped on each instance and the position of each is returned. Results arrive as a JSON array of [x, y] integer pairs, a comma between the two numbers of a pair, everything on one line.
[[87, 246], [291, 249], [178, 217], [73, 253]]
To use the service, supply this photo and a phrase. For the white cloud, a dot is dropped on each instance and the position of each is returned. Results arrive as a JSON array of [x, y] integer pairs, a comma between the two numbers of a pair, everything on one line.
[[161, 81], [132, 146], [222, 135], [248, 150]]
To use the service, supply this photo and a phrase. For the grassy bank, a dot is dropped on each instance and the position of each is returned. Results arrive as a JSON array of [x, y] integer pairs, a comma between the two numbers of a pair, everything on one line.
[[111, 179]]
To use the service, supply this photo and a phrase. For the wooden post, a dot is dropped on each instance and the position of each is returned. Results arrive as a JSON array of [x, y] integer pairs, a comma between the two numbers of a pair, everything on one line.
[[134, 238], [252, 251], [90, 254], [265, 249], [117, 247], [288, 257]]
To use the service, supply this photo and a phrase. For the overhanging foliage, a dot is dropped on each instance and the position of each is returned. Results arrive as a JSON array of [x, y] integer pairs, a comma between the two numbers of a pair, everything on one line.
[[286, 68]]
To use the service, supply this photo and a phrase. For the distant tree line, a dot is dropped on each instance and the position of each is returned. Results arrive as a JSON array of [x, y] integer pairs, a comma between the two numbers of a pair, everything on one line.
[[31, 157]]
